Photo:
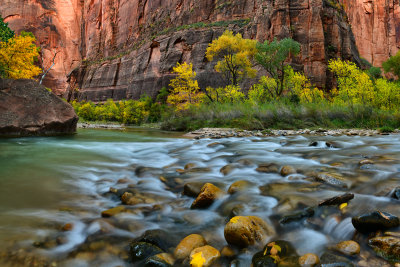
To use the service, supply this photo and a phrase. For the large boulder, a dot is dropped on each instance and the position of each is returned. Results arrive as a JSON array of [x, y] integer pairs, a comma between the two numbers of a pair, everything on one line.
[[28, 108]]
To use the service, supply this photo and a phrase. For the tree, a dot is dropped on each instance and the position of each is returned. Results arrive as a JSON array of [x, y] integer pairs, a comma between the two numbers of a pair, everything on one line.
[[393, 65], [5, 32], [185, 89], [17, 57], [273, 56], [236, 54]]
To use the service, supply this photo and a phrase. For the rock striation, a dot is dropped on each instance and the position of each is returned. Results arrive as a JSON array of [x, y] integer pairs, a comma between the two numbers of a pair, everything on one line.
[[124, 48], [27, 108]]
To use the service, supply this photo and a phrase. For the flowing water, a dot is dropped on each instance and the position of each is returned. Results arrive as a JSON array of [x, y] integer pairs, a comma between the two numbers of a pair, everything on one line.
[[46, 183]]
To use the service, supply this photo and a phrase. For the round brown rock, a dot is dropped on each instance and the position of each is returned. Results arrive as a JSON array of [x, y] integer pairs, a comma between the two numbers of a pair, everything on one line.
[[308, 260], [208, 194], [188, 244], [238, 186], [244, 231], [349, 247], [206, 254], [287, 170]]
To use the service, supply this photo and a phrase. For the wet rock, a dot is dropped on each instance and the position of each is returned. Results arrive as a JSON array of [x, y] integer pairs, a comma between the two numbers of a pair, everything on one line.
[[133, 199], [306, 213], [331, 179], [142, 171], [189, 166], [160, 260], [208, 194], [315, 143], [337, 200], [214, 144], [365, 162], [238, 186], [292, 261], [261, 260], [330, 259], [280, 248], [206, 255], [387, 247], [268, 168], [143, 250], [349, 247], [198, 169], [188, 244], [236, 211], [396, 193], [113, 211], [228, 252], [287, 170], [244, 231], [227, 169], [308, 260], [159, 238], [375, 221], [67, 227]]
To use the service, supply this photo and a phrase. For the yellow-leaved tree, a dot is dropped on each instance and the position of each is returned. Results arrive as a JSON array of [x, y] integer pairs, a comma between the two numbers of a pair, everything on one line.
[[18, 56], [185, 88], [235, 54]]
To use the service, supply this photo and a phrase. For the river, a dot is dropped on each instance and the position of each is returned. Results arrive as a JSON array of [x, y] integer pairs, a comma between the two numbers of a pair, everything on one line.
[[46, 183]]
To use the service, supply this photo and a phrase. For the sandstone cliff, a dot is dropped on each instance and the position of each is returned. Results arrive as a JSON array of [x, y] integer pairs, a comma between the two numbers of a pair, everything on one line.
[[128, 47], [376, 26], [57, 26]]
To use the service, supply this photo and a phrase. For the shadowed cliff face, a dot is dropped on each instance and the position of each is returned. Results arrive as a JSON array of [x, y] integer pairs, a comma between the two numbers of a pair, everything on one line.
[[376, 26], [130, 46]]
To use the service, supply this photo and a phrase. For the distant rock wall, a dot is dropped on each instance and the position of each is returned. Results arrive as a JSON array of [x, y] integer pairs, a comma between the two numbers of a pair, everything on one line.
[[129, 47], [376, 26]]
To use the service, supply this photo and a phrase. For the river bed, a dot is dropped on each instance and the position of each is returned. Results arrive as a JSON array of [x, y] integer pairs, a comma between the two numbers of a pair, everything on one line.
[[53, 191]]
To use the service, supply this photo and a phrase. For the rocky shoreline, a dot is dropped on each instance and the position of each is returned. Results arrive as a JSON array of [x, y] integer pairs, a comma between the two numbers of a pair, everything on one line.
[[216, 133]]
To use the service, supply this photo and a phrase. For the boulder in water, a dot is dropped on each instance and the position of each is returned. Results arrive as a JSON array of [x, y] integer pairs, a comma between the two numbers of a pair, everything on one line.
[[204, 256], [244, 231], [188, 244], [27, 108], [309, 260], [348, 247], [337, 200], [160, 260], [388, 247], [375, 221], [143, 250], [208, 194]]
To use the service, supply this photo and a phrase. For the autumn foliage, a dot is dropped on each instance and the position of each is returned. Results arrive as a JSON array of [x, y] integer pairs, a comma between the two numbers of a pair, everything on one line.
[[18, 56], [185, 88]]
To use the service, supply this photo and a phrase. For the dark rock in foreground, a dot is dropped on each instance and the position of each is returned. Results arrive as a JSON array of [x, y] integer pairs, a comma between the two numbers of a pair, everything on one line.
[[375, 221], [27, 108]]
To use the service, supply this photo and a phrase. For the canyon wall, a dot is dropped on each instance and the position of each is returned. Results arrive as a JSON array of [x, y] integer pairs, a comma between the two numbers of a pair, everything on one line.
[[57, 26], [123, 48], [376, 26]]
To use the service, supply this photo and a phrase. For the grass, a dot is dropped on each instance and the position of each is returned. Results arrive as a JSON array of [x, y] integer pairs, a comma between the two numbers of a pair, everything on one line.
[[281, 115]]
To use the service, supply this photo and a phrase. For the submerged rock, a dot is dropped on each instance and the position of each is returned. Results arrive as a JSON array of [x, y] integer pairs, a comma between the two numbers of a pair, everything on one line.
[[287, 170], [238, 186], [375, 221], [208, 194], [188, 244], [205, 255], [113, 211], [396, 193], [280, 248], [268, 168], [337, 200], [330, 259], [192, 189], [308, 212], [159, 238], [160, 260], [244, 231], [349, 247], [143, 250], [261, 260], [227, 169], [388, 247], [27, 108], [334, 180]]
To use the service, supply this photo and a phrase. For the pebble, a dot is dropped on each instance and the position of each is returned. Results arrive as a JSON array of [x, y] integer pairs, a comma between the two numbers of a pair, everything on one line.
[[188, 244], [348, 248], [308, 260]]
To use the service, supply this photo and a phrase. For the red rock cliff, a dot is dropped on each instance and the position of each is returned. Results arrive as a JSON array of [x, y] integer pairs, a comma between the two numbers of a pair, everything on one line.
[[376, 26], [56, 24], [130, 46]]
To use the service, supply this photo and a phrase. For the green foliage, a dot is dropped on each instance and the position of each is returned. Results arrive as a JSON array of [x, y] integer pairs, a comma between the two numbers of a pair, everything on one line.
[[162, 96], [272, 56], [5, 32], [392, 65], [126, 111], [227, 94], [235, 54], [375, 73]]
